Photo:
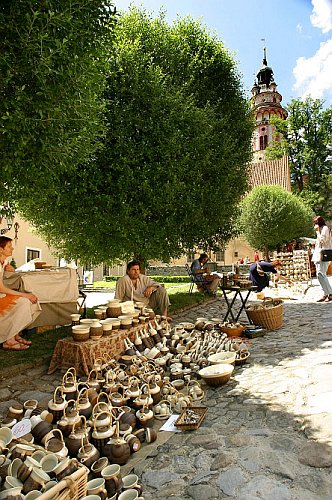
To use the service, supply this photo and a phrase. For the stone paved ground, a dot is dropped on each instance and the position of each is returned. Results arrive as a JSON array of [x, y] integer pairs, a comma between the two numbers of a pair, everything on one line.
[[268, 432]]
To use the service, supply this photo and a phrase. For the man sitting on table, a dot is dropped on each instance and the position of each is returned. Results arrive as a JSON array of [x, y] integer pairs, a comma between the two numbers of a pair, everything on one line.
[[202, 274], [141, 288]]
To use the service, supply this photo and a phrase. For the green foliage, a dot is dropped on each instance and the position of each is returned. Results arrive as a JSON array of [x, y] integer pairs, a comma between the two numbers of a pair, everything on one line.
[[52, 69], [173, 163], [271, 216], [306, 139]]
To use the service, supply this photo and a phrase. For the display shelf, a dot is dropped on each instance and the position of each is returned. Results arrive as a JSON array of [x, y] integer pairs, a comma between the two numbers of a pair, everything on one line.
[[295, 265]]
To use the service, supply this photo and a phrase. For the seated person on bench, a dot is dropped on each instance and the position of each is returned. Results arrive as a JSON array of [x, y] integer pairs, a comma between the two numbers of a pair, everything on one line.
[[140, 288], [17, 309], [202, 274]]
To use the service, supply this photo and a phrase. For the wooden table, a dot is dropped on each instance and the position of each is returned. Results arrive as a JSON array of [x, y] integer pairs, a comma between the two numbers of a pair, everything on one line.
[[231, 302], [81, 355]]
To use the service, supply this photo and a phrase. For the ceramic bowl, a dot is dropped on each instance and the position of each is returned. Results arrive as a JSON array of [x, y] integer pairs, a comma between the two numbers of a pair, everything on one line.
[[222, 357], [216, 375]]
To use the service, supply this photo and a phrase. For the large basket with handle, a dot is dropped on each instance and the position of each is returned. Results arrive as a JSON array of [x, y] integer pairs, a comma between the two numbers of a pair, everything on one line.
[[269, 314]]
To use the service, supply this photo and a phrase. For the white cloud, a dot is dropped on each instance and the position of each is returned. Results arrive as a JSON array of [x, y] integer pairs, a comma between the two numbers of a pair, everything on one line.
[[313, 76], [321, 16]]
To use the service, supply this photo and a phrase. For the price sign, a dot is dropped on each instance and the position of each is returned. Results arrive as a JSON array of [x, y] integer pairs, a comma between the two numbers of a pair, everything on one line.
[[21, 428]]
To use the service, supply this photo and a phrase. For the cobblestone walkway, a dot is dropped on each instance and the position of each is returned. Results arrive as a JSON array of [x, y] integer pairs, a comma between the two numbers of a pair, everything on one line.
[[268, 432]]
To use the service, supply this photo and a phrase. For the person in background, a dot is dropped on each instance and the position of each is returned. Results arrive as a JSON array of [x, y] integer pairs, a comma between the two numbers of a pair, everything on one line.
[[323, 242], [247, 260], [256, 256], [17, 309], [241, 261], [203, 275], [140, 288], [259, 273]]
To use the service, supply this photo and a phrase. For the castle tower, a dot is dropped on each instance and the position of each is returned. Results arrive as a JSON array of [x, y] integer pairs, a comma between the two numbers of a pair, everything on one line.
[[265, 103]]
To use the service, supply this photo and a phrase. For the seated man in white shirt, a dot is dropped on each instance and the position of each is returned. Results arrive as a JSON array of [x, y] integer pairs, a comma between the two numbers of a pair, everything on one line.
[[140, 288]]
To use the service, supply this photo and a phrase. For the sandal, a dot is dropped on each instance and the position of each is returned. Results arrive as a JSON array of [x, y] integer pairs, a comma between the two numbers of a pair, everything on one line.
[[17, 346], [322, 299], [21, 340]]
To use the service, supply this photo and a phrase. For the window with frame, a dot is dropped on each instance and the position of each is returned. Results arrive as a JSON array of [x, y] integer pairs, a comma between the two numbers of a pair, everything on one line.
[[220, 256], [32, 254]]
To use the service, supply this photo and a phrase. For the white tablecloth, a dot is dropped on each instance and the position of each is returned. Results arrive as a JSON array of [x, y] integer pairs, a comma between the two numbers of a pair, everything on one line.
[[57, 292]]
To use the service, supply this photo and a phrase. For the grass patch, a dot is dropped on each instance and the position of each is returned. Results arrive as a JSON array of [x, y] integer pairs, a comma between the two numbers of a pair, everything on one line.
[[42, 346]]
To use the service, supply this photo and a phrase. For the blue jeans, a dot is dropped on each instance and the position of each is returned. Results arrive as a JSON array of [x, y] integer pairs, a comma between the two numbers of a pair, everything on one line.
[[321, 268]]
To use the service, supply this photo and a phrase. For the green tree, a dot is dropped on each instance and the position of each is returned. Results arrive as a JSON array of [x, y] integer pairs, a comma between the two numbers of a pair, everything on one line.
[[52, 75], [307, 140], [173, 164], [271, 216]]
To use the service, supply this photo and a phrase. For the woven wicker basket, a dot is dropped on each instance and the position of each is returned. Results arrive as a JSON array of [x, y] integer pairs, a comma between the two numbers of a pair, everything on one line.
[[268, 317], [72, 487], [180, 423]]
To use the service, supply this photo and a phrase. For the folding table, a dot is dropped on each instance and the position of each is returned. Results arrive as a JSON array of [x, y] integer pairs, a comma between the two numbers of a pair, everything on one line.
[[235, 314]]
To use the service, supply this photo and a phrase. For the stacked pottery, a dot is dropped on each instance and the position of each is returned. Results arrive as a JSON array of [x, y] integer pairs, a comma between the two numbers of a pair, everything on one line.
[[114, 308]]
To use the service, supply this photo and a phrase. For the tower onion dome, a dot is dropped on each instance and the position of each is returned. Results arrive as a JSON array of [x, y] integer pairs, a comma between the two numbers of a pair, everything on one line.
[[265, 74]]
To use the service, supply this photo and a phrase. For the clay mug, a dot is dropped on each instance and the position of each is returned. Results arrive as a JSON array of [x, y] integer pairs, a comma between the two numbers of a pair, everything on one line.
[[16, 411], [98, 466], [36, 480], [22, 451], [26, 467], [50, 485], [130, 481], [130, 494], [6, 436], [11, 494], [14, 466], [113, 479], [12, 482], [32, 495], [4, 466], [30, 404], [97, 487], [49, 463], [38, 455], [93, 497], [65, 468]]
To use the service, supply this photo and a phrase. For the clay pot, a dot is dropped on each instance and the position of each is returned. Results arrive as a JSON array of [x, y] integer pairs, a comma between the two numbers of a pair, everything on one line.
[[40, 430], [84, 405], [88, 454], [74, 440], [117, 450], [57, 404], [69, 384]]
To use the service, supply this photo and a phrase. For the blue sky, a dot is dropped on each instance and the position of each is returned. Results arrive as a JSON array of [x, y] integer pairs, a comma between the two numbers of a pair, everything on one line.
[[297, 33]]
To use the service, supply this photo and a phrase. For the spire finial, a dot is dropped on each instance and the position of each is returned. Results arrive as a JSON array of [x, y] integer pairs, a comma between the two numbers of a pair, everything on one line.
[[264, 52]]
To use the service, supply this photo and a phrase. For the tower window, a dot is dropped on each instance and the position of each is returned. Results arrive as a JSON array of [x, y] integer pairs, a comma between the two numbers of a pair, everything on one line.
[[263, 142]]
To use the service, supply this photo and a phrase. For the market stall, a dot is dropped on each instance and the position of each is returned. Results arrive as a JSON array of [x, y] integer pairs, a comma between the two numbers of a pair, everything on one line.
[[56, 289]]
